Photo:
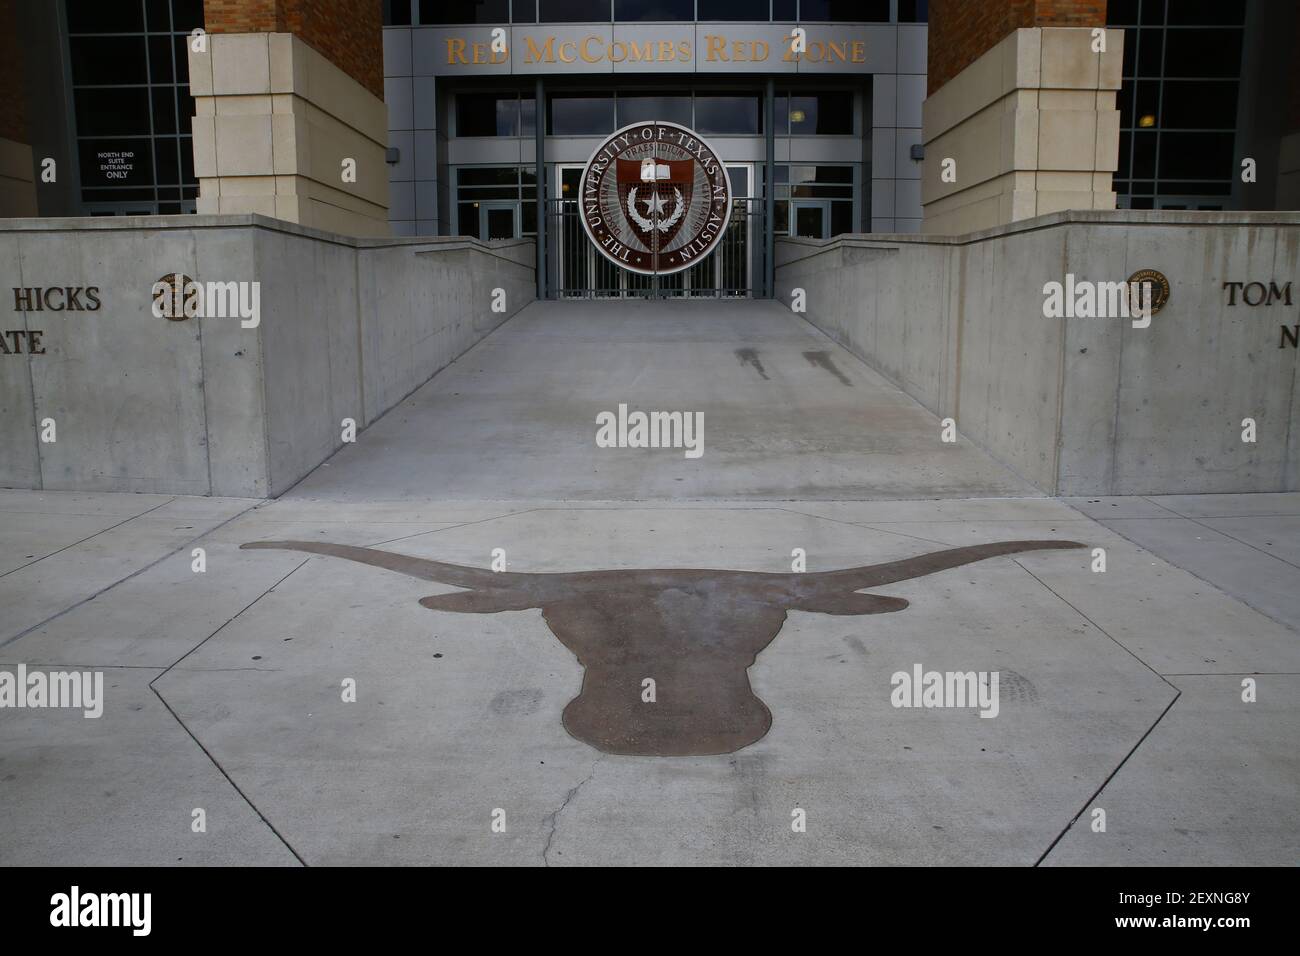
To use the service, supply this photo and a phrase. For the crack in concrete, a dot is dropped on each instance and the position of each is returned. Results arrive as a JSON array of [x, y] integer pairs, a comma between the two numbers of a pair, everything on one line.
[[553, 817]]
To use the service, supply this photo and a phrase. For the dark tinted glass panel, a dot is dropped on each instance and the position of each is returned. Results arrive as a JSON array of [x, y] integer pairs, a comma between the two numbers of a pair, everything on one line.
[[160, 59], [182, 61], [117, 195], [528, 214], [1130, 51], [187, 15], [1151, 45], [1122, 12], [488, 176], [841, 217], [158, 14], [738, 10], [1203, 53], [631, 11], [785, 9], [1144, 155], [781, 217], [105, 16], [1217, 13], [1142, 202], [1196, 156], [1124, 101], [1125, 149], [164, 110], [487, 114], [1200, 105], [815, 174], [465, 11], [187, 160], [913, 11], [1146, 112], [108, 60], [108, 112], [166, 160], [527, 116], [169, 209], [185, 110], [397, 13], [825, 114], [823, 11], [727, 114], [573, 11], [1153, 12], [673, 109], [581, 115], [468, 216], [524, 11]]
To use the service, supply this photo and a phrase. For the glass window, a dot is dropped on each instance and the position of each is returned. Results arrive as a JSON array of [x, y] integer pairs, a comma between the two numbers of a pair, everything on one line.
[[160, 60], [1203, 53], [825, 114], [158, 15], [580, 114], [1217, 13], [1122, 12], [734, 10], [726, 114], [1196, 156], [187, 15], [446, 12], [673, 108], [1150, 52], [164, 109], [573, 11], [913, 11], [112, 111], [488, 176], [631, 11], [397, 13], [108, 60], [524, 11], [487, 114], [1210, 104], [105, 16], [787, 10], [844, 11]]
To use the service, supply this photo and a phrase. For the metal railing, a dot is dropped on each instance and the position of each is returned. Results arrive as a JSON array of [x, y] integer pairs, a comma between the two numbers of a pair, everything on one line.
[[577, 270]]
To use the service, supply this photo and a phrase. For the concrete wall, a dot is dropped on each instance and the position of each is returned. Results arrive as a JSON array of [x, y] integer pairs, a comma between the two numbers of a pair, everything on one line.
[[1081, 406], [203, 406]]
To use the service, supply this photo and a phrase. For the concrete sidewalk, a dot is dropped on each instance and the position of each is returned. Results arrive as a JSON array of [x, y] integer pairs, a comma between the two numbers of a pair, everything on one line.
[[225, 691], [1118, 690]]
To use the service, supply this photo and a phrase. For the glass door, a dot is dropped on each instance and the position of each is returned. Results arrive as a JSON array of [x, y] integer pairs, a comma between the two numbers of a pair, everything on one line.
[[498, 220], [811, 219]]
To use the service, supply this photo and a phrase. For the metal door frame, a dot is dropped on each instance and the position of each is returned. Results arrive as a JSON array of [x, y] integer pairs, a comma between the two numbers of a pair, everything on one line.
[[823, 204], [487, 205]]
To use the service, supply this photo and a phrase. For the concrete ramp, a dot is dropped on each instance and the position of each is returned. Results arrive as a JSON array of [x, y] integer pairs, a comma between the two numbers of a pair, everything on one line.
[[786, 412]]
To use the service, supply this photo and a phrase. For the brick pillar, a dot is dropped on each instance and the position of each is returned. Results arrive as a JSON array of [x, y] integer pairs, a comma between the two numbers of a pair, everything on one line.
[[287, 92], [1024, 105], [17, 175]]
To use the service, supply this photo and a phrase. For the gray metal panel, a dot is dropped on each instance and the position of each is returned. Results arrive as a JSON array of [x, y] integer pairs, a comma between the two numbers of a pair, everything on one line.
[[905, 167], [402, 228], [883, 141], [672, 46], [884, 100], [426, 155], [426, 200], [553, 45], [882, 199], [775, 36], [398, 97], [401, 200], [907, 201], [911, 94], [873, 44], [825, 149], [913, 39], [882, 224], [907, 226], [425, 111], [461, 51], [404, 169], [490, 150], [577, 149], [397, 51]]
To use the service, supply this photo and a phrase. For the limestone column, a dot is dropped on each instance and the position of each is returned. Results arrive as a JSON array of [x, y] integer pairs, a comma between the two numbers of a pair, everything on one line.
[[290, 118], [1023, 104]]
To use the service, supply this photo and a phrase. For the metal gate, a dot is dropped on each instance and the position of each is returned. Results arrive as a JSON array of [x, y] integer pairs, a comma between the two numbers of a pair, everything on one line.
[[577, 270]]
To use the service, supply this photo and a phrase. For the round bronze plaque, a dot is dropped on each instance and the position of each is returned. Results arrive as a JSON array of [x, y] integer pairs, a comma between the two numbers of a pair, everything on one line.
[[1159, 290], [655, 198]]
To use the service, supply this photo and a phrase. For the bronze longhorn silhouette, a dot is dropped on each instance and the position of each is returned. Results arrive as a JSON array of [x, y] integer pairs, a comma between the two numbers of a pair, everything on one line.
[[695, 632]]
